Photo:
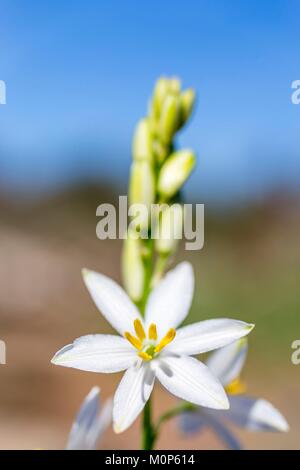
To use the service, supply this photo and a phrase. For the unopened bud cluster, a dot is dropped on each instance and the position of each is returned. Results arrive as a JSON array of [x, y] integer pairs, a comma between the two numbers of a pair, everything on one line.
[[158, 172]]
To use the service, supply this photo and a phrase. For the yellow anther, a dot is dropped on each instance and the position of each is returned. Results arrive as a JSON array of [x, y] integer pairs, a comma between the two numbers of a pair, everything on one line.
[[166, 340], [236, 387], [133, 340], [152, 332], [139, 329], [145, 356]]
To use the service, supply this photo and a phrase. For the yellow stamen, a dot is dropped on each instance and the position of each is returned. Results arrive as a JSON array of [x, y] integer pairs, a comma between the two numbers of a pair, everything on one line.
[[145, 356], [139, 329], [152, 332], [133, 340], [236, 387], [166, 340]]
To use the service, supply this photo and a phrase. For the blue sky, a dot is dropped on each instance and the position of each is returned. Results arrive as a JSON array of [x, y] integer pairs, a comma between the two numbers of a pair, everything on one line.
[[79, 73]]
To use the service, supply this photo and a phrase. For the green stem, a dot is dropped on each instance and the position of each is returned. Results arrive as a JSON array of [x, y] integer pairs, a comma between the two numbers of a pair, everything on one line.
[[183, 408], [148, 434], [148, 264], [159, 269]]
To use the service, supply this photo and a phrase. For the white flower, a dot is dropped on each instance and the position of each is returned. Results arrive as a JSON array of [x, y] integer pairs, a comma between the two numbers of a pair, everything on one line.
[[151, 348], [245, 412], [90, 422]]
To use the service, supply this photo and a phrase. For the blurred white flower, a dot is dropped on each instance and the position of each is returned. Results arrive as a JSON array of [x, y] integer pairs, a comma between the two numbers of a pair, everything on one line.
[[90, 423], [150, 348], [248, 413]]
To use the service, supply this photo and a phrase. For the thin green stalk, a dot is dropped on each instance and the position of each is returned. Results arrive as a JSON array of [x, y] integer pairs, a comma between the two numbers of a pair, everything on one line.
[[184, 407], [148, 264], [151, 432], [159, 269], [148, 434]]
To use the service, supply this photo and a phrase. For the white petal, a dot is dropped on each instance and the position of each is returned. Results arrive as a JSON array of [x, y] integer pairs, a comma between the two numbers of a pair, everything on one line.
[[190, 380], [112, 301], [208, 335], [97, 353], [170, 301], [101, 423], [227, 362], [131, 395], [84, 420], [255, 414]]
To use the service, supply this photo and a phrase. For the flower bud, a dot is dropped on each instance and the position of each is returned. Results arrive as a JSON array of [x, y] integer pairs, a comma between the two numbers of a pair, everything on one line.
[[169, 230], [142, 141], [133, 268], [170, 118], [175, 172], [159, 95], [160, 150], [142, 189], [174, 85], [187, 101]]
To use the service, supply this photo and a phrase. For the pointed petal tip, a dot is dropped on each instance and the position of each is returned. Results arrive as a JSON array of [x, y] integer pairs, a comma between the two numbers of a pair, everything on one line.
[[55, 360], [285, 427], [280, 424], [221, 404], [264, 416], [185, 265], [224, 403], [85, 272], [95, 391], [250, 327], [117, 428]]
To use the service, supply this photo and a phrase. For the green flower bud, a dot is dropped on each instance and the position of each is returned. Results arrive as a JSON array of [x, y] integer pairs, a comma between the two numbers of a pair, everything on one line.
[[142, 141], [133, 269], [174, 85], [170, 118], [187, 101], [169, 230], [160, 150], [175, 172], [159, 95], [142, 189]]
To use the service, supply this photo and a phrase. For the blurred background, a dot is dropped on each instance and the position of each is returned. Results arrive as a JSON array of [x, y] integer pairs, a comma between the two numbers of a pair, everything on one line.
[[78, 77]]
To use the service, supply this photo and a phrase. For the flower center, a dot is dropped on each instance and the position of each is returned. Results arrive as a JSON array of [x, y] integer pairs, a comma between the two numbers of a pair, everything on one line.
[[147, 346], [236, 387]]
